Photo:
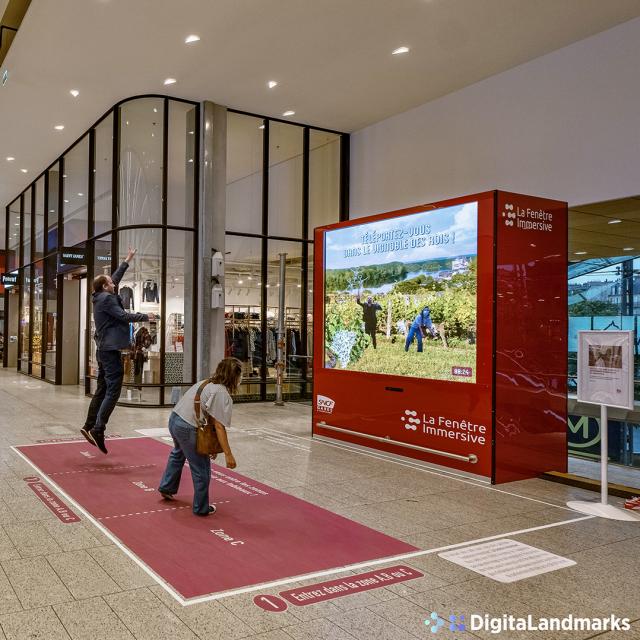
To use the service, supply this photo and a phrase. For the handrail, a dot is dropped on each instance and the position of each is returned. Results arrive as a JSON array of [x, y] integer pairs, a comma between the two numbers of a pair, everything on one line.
[[471, 458]]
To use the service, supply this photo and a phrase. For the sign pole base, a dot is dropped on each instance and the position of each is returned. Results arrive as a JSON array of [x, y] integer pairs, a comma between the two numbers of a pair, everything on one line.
[[603, 510]]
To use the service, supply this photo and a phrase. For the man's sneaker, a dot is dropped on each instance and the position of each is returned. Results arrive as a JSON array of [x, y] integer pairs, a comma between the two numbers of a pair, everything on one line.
[[99, 440], [633, 503], [166, 496], [212, 510], [87, 434]]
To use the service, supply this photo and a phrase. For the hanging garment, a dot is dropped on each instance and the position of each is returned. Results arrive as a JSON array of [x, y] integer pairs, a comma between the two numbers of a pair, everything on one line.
[[126, 295], [150, 292]]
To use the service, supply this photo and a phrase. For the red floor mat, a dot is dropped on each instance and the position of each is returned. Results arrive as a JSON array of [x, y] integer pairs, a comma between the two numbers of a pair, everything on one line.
[[258, 535]]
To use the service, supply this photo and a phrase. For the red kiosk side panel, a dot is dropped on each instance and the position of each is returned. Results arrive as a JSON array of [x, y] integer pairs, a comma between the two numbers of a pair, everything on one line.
[[531, 337], [381, 405]]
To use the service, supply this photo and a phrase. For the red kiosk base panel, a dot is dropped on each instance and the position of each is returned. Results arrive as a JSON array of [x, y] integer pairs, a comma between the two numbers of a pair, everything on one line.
[[258, 535]]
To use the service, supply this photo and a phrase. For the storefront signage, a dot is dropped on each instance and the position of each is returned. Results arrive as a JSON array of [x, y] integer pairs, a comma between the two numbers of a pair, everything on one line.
[[9, 279], [605, 368], [74, 255]]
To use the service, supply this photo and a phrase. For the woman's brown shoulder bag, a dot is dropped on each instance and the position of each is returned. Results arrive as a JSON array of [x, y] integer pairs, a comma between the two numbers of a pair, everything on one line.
[[207, 443]]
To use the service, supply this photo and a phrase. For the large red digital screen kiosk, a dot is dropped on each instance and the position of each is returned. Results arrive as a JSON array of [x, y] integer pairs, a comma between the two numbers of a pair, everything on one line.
[[440, 333]]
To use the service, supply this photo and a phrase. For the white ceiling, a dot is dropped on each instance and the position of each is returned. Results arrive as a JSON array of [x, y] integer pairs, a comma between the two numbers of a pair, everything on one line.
[[332, 58]]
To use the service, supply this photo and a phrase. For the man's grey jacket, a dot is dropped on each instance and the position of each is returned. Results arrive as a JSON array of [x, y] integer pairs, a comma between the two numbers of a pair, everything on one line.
[[111, 320]]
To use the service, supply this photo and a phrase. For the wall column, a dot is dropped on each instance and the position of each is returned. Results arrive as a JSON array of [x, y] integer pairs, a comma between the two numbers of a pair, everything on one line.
[[212, 220]]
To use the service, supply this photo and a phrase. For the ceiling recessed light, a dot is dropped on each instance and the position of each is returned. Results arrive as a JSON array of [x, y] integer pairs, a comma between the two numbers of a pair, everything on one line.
[[24, 170], [261, 126], [580, 253], [59, 127], [66, 201], [81, 194], [614, 221], [192, 38], [400, 50], [10, 158], [74, 92], [170, 81], [272, 84], [240, 281], [155, 109], [289, 113], [627, 248]]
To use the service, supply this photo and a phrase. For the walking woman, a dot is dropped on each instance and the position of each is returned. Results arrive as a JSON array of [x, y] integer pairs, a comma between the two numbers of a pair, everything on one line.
[[216, 403]]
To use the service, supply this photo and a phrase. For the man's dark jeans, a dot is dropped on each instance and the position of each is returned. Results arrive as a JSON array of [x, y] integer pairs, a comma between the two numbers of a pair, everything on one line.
[[110, 374]]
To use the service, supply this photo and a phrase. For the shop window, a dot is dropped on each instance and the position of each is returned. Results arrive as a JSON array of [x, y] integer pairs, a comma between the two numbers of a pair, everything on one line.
[[295, 349], [101, 266], [324, 179], [53, 206], [13, 232], [182, 163], [3, 230], [141, 160], [285, 180], [25, 317], [243, 310], [75, 184], [50, 320], [141, 291], [36, 317], [103, 176], [179, 308], [38, 220], [26, 226], [244, 173], [309, 338]]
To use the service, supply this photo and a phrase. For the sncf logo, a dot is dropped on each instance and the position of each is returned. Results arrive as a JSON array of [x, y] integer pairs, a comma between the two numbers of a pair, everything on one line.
[[410, 420], [325, 404]]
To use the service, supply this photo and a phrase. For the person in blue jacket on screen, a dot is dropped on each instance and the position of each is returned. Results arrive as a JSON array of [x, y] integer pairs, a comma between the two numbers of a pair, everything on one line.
[[421, 323]]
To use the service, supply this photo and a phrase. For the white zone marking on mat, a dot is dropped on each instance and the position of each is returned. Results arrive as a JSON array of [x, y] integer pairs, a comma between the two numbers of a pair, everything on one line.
[[131, 466], [153, 433], [507, 560], [142, 513]]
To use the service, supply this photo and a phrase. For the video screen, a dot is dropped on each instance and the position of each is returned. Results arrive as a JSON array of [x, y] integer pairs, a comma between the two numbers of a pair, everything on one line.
[[400, 295]]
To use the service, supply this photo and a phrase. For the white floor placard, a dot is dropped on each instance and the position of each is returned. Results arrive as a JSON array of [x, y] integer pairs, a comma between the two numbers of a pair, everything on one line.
[[506, 560]]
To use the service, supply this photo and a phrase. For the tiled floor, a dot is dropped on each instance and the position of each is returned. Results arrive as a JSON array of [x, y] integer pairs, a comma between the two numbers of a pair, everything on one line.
[[70, 581]]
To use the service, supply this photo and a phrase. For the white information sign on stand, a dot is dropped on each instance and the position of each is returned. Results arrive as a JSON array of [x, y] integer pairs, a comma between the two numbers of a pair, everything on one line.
[[605, 377], [605, 368]]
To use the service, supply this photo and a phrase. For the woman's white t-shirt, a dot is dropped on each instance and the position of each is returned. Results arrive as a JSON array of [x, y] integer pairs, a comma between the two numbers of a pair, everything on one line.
[[214, 401]]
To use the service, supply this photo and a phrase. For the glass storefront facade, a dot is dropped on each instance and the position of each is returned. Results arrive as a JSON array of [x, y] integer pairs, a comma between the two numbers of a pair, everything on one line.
[[132, 181], [604, 294], [145, 151], [283, 180]]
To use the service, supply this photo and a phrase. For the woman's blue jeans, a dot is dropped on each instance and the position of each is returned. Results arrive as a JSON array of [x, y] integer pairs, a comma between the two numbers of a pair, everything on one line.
[[184, 441]]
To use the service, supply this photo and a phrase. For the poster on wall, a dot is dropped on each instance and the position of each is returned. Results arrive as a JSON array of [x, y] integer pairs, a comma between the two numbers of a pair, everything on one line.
[[605, 368], [400, 295]]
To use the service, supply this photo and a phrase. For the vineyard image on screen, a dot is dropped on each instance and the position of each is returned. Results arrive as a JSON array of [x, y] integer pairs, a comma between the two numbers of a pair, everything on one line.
[[400, 295]]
